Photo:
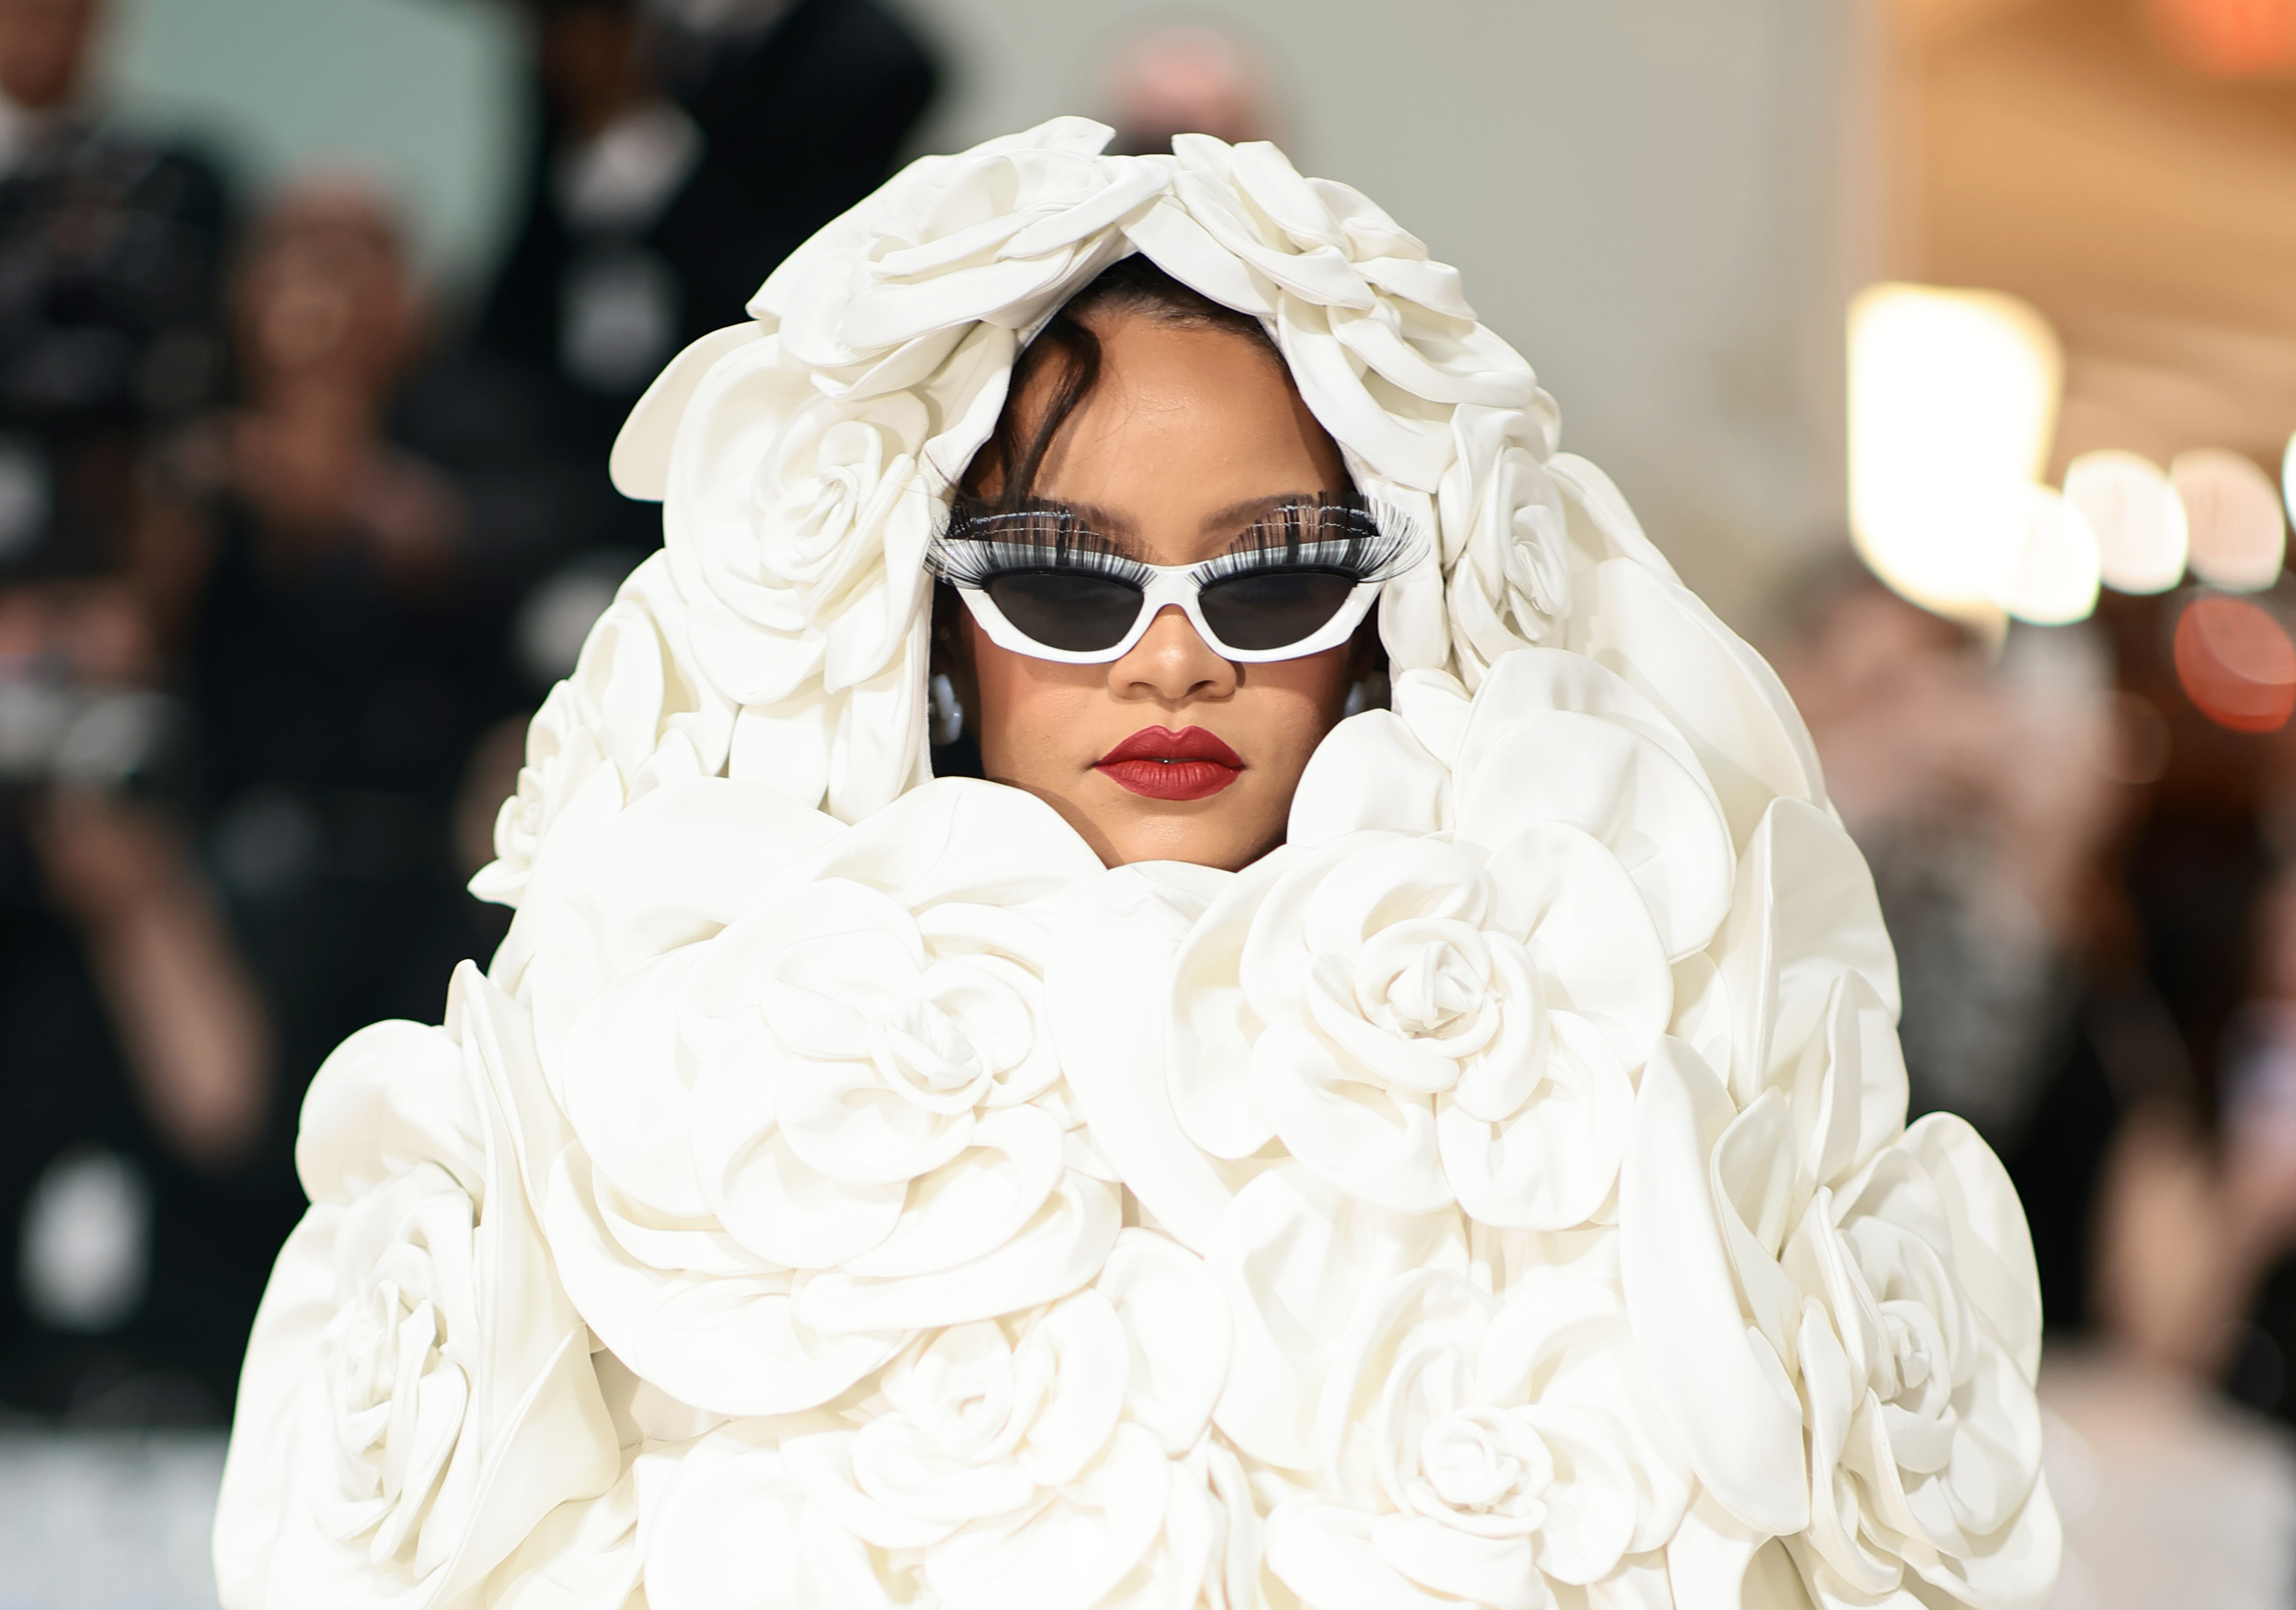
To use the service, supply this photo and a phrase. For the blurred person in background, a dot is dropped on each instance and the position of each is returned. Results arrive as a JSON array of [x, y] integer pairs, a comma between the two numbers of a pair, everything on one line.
[[137, 1083], [684, 147], [2196, 1244], [112, 247], [1185, 79], [136, 1080], [339, 613]]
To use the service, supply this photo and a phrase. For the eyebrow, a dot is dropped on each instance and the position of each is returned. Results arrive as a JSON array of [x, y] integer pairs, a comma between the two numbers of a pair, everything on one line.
[[1105, 523], [1251, 510], [1108, 530], [1242, 518], [1247, 518]]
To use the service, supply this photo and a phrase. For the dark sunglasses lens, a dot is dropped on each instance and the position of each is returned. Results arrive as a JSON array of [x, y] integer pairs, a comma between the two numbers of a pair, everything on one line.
[[1273, 609], [1075, 613]]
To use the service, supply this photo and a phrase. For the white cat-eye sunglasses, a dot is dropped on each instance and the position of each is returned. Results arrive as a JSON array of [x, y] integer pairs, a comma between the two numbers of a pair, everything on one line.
[[1299, 582]]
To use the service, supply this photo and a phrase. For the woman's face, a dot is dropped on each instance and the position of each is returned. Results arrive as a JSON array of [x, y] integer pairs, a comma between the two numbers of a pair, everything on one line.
[[1190, 435]]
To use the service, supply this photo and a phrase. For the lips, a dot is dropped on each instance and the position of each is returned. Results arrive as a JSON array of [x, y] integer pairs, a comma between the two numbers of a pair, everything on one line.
[[1162, 764]]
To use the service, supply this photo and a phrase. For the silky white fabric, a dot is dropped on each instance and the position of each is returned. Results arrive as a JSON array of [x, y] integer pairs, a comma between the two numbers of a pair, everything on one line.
[[843, 1191]]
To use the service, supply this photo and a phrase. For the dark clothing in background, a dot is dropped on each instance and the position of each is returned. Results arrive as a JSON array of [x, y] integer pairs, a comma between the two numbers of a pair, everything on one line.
[[110, 254], [333, 718], [801, 125], [174, 1359], [796, 123]]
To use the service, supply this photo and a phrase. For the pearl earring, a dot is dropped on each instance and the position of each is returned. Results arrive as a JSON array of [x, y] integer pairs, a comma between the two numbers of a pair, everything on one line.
[[947, 714]]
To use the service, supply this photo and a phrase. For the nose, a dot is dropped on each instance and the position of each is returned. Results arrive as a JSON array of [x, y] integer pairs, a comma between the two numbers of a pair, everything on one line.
[[1171, 665]]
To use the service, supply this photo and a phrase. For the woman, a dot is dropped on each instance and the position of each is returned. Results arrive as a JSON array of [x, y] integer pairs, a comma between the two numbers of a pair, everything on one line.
[[1239, 1152]]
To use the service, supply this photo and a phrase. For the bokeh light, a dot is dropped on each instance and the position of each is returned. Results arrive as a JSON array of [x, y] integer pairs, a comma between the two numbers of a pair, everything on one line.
[[2141, 539], [2232, 519], [2288, 477], [2232, 38], [2050, 578], [1953, 401], [2235, 663]]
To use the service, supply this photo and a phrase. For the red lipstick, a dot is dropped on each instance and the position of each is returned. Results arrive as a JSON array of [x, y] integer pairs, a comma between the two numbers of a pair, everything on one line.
[[1162, 764]]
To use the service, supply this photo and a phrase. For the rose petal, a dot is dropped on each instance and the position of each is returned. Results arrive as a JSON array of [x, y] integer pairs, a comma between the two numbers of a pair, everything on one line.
[[974, 1203], [1060, 1249], [1551, 1164], [1176, 1324], [1068, 1553]]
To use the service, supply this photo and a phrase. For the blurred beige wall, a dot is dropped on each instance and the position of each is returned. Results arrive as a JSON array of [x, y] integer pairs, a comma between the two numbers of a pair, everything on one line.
[[1660, 202], [421, 95], [2062, 150]]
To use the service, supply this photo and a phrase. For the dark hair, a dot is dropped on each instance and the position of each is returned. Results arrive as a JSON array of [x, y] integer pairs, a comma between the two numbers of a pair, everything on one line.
[[1135, 286]]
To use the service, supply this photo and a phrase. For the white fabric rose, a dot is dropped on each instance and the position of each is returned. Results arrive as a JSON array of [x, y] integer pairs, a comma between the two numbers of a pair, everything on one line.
[[1796, 1004], [1002, 233], [1633, 618], [1299, 1263], [1481, 1449], [1793, 1009], [418, 1390], [1804, 919], [1844, 1322], [1918, 1343], [674, 868], [1361, 313], [1548, 736], [801, 530], [831, 1123], [1507, 580], [635, 714], [1056, 1458], [797, 525], [1425, 1021], [1440, 420]]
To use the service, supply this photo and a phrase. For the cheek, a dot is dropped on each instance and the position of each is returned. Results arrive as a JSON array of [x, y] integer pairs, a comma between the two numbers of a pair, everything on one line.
[[1028, 713], [1300, 700]]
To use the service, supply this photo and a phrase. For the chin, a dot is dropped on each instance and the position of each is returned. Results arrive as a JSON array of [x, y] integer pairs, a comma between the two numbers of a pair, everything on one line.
[[1226, 845]]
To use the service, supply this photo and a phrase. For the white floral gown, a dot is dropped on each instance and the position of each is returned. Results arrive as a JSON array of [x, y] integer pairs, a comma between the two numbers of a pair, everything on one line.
[[843, 1191]]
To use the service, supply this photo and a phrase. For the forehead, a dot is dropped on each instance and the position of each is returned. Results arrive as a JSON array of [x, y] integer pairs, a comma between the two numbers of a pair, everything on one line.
[[1188, 432]]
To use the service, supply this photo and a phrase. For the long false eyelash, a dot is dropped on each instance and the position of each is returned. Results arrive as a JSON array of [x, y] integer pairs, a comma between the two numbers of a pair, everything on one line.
[[979, 547], [1350, 538]]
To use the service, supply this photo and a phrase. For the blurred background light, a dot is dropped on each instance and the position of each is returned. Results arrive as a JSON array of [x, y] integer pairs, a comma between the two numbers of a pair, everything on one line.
[[2288, 477], [2235, 661], [2231, 38], [1953, 401], [2232, 522], [2050, 575], [2141, 536]]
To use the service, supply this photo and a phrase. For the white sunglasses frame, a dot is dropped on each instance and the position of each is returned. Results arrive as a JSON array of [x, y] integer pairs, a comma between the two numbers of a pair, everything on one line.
[[1171, 586]]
